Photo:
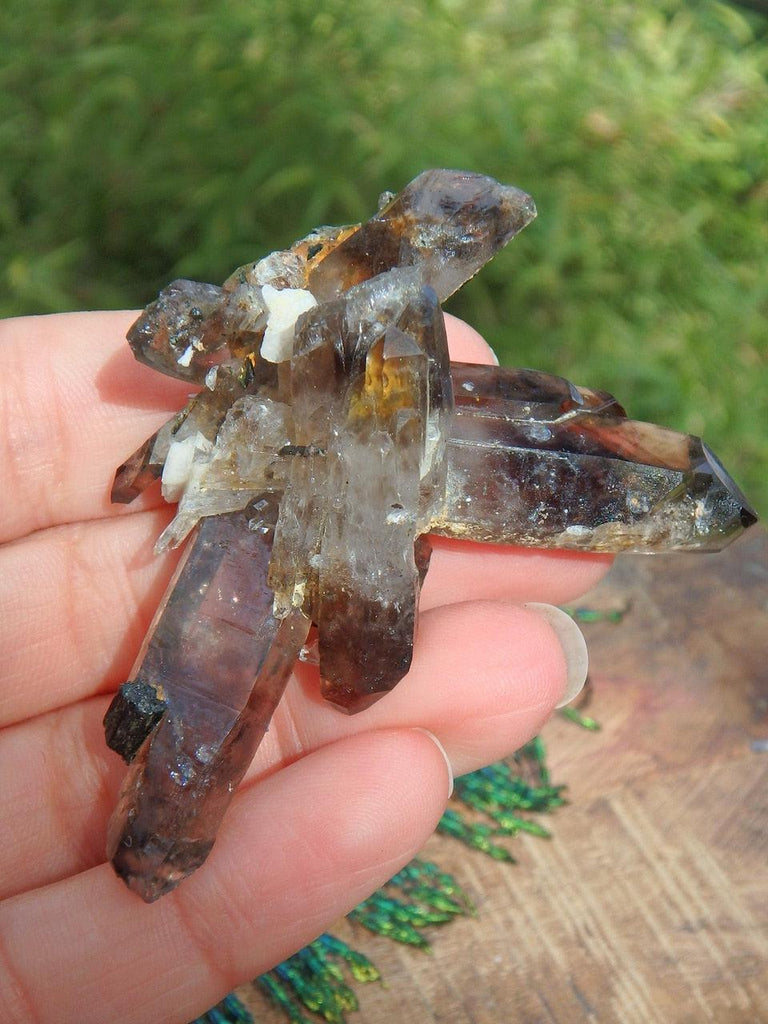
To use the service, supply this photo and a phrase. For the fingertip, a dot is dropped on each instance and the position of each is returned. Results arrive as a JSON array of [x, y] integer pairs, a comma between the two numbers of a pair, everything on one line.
[[573, 646], [466, 345], [485, 677], [444, 754]]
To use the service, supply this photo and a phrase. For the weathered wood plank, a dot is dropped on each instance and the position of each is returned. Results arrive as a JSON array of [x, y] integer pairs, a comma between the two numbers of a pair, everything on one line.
[[650, 905]]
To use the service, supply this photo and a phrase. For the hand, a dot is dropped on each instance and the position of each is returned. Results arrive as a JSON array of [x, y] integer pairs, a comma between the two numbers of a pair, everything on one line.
[[332, 806]]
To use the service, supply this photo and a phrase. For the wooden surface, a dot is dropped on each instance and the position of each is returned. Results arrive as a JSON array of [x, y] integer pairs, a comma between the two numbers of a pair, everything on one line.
[[650, 904]]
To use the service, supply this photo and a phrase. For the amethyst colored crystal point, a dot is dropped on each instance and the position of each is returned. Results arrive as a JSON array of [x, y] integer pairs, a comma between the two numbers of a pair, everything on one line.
[[219, 660], [330, 436], [449, 223], [139, 471]]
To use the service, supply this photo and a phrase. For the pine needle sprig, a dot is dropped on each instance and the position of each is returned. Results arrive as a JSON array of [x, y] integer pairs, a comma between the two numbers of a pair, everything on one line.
[[584, 721], [313, 981], [230, 1010], [503, 794], [415, 898]]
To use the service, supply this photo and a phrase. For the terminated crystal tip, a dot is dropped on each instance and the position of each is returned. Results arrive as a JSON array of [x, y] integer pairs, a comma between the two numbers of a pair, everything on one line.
[[176, 325], [448, 223], [519, 207], [724, 510], [151, 866], [481, 207]]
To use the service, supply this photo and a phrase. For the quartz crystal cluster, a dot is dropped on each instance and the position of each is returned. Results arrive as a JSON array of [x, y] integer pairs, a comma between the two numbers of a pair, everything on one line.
[[330, 436]]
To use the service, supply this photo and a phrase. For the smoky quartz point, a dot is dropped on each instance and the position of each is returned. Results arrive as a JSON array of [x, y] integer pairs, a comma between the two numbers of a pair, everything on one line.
[[330, 436]]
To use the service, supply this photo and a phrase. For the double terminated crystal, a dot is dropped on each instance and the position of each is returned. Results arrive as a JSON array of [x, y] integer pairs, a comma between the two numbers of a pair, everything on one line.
[[331, 435]]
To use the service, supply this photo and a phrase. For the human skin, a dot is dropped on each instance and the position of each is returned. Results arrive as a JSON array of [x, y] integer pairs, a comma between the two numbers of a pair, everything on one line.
[[332, 805]]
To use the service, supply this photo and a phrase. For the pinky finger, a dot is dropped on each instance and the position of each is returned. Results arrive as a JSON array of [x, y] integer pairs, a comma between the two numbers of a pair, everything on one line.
[[303, 847]]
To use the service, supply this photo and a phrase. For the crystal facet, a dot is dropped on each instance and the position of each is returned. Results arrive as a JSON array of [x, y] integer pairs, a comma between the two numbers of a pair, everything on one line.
[[214, 636], [331, 435], [534, 461]]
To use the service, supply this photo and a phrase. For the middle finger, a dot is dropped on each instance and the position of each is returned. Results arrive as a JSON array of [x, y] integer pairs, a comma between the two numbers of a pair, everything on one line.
[[76, 601]]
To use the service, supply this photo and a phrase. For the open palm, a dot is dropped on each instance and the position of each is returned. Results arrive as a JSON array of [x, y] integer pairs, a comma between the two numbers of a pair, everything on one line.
[[331, 807]]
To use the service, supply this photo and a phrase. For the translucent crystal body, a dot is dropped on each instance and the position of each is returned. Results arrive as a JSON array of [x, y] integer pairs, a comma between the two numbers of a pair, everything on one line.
[[533, 460], [213, 636], [331, 435]]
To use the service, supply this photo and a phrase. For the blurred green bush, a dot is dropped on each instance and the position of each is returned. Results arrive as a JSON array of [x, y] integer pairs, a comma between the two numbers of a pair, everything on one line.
[[155, 139]]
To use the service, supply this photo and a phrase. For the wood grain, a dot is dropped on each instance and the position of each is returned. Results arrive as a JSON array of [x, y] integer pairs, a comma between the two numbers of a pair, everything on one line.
[[650, 904]]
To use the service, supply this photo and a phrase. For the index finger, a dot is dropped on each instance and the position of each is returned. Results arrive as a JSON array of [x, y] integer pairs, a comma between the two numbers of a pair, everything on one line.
[[77, 404], [74, 405]]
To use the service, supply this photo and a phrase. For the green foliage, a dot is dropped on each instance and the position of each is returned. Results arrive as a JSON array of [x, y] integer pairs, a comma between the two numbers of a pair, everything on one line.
[[417, 897], [229, 1011], [314, 980], [503, 794], [152, 139], [312, 984]]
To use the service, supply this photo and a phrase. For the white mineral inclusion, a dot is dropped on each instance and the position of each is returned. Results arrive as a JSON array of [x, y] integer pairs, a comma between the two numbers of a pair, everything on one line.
[[284, 306], [186, 356], [178, 465]]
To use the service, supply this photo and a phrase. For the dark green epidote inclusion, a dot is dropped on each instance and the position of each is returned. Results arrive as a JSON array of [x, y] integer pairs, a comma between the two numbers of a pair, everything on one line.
[[330, 436]]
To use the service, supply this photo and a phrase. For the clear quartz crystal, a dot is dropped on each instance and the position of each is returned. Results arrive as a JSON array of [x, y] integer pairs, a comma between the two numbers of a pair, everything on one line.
[[331, 435]]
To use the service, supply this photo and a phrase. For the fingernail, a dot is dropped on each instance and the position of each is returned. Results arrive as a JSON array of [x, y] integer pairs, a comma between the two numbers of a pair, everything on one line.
[[574, 648], [442, 750]]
